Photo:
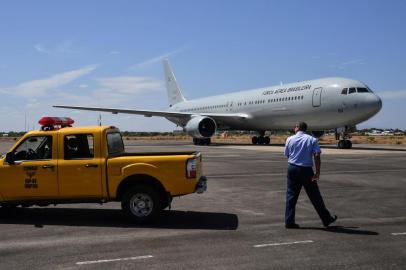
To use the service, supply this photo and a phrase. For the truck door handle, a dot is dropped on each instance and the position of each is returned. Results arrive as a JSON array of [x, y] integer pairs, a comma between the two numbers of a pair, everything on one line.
[[48, 166], [91, 165]]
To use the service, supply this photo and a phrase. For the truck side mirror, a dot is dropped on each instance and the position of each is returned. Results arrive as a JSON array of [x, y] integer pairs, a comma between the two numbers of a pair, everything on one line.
[[10, 158]]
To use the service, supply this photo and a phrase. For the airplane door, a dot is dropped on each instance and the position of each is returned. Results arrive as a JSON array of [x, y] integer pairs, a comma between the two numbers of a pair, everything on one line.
[[317, 97]]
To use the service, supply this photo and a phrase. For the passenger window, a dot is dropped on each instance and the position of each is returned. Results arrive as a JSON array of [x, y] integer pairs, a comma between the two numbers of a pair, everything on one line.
[[34, 148], [344, 91], [352, 90], [78, 146]]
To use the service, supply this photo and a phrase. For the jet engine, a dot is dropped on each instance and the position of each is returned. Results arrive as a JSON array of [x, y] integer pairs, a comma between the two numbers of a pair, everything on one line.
[[201, 127]]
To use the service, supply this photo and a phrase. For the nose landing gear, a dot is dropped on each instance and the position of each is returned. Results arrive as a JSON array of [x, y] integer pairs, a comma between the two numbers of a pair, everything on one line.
[[344, 144], [343, 136]]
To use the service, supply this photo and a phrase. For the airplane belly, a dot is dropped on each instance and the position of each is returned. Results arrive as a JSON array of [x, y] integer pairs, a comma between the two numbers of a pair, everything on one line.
[[278, 118]]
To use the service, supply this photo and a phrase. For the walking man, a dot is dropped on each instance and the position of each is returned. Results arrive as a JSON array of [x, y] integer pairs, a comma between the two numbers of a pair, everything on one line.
[[300, 150]]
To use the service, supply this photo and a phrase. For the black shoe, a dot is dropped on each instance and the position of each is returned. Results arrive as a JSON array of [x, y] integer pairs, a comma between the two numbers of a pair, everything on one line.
[[332, 220], [292, 226]]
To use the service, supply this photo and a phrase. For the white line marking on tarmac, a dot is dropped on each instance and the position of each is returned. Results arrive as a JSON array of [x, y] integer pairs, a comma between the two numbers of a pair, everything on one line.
[[251, 212], [116, 260], [399, 233], [284, 243]]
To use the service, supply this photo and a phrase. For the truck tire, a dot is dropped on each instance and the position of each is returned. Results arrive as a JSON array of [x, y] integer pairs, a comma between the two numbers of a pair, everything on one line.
[[166, 205], [142, 204], [8, 207]]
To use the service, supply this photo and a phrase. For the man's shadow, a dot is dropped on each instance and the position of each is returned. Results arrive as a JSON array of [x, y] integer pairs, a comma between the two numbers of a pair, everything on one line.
[[342, 229], [39, 217]]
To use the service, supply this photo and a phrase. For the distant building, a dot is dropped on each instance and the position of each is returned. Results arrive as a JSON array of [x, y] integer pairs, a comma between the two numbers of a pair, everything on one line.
[[387, 133], [178, 132], [374, 132]]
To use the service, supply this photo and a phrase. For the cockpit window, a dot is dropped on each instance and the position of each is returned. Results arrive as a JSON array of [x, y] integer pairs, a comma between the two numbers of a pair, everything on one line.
[[352, 90], [369, 89], [362, 90], [344, 91]]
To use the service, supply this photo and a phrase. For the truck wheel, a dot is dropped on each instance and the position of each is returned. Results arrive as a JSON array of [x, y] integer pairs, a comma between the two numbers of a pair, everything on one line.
[[142, 204], [8, 207], [164, 205], [166, 201]]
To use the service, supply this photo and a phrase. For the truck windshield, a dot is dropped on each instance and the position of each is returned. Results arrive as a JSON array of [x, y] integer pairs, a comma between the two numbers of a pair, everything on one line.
[[115, 143], [34, 148]]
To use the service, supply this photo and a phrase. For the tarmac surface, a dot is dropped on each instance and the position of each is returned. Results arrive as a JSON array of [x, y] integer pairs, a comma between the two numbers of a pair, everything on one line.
[[237, 224]]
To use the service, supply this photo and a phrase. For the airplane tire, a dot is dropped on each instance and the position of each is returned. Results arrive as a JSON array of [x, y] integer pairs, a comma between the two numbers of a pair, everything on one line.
[[254, 140], [197, 141], [261, 140], [267, 140], [344, 144]]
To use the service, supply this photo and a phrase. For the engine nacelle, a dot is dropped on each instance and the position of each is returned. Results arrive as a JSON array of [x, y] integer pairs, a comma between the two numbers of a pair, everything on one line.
[[318, 133], [201, 127]]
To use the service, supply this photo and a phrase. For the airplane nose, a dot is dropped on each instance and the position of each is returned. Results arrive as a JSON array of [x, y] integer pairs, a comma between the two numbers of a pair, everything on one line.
[[375, 104], [379, 103]]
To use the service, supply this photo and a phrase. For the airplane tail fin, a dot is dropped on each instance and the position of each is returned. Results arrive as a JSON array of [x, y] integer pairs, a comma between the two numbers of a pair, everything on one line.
[[174, 93]]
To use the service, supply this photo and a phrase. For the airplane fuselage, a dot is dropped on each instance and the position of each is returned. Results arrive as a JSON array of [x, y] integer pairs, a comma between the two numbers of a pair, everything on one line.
[[320, 103]]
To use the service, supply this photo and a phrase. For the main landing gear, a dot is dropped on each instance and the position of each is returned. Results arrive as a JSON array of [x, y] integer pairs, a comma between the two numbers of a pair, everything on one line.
[[343, 136], [203, 141], [261, 139]]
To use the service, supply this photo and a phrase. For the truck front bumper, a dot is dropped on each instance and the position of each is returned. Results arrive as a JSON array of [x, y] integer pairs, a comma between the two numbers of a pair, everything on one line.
[[201, 186]]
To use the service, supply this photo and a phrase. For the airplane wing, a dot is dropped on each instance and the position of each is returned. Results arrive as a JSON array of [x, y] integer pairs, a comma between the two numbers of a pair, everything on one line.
[[147, 113]]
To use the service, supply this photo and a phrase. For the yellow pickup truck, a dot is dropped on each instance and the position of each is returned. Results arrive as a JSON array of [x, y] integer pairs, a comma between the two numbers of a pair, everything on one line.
[[64, 164]]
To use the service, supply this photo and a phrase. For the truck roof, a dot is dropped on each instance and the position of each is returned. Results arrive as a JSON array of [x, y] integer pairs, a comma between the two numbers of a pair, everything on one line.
[[70, 130]]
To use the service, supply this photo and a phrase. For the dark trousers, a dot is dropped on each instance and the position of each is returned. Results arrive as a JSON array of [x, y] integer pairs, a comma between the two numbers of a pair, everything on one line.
[[298, 177]]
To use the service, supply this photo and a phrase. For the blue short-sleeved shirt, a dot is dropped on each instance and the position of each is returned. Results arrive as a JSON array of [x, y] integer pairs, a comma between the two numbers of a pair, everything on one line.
[[300, 148]]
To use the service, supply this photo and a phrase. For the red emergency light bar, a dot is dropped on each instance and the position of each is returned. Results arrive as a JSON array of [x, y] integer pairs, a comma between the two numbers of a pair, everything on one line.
[[54, 122]]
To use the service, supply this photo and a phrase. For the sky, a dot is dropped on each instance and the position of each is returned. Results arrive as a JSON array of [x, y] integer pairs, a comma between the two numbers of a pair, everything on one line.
[[109, 53]]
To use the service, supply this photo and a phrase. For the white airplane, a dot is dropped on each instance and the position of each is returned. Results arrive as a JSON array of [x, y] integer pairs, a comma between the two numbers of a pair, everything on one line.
[[324, 104]]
